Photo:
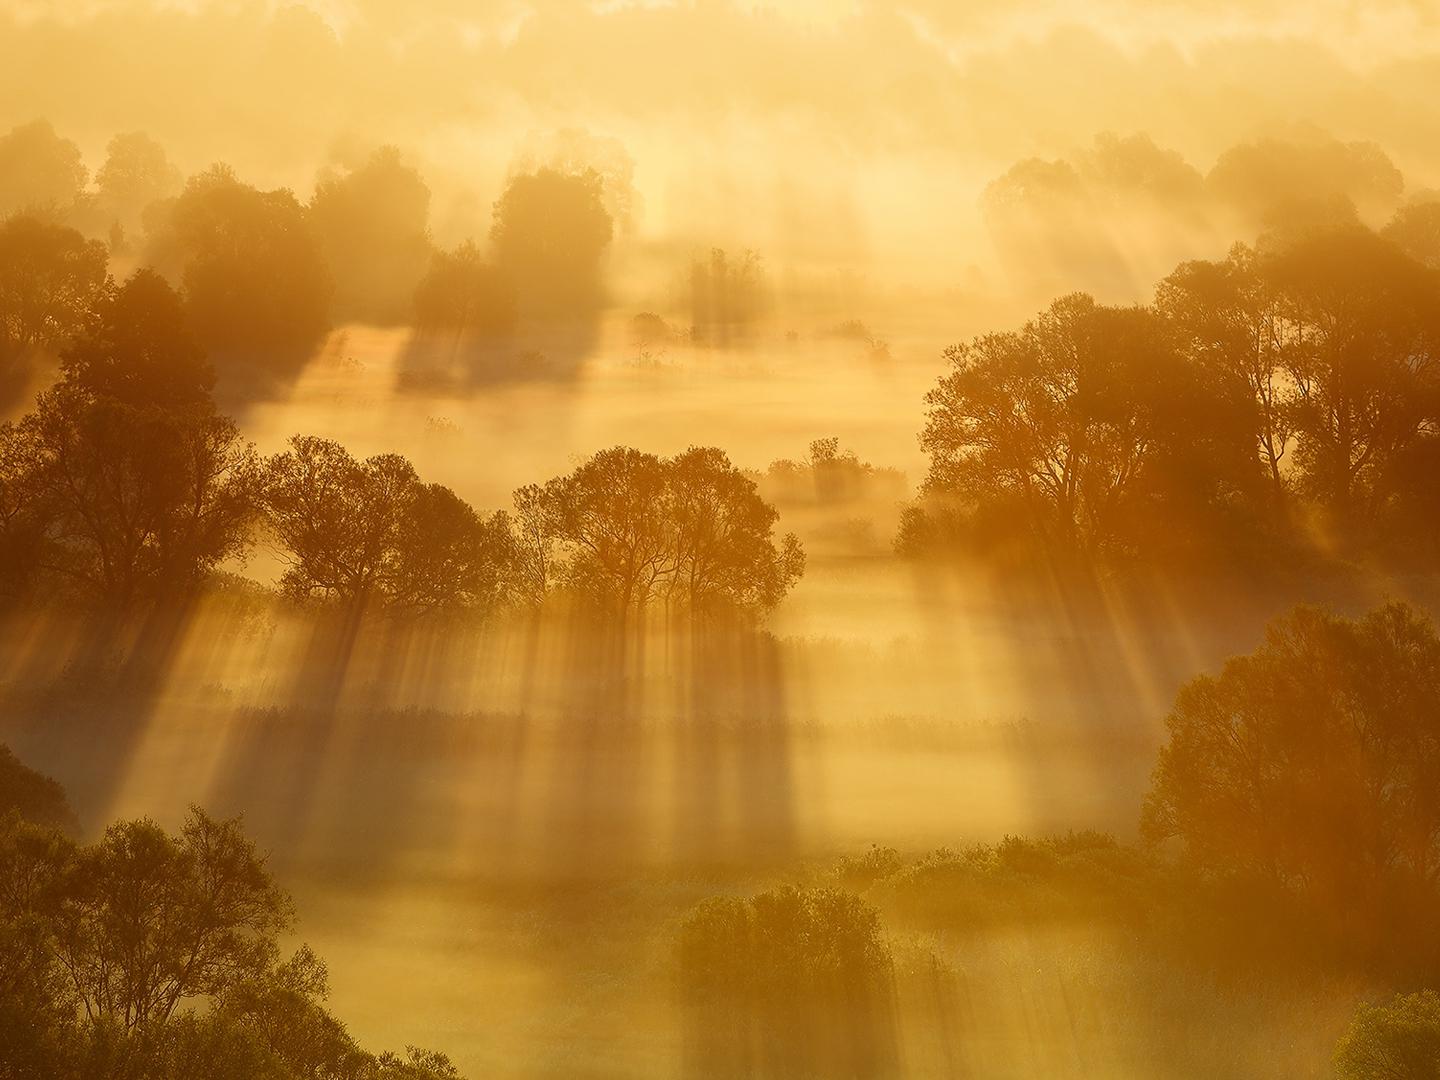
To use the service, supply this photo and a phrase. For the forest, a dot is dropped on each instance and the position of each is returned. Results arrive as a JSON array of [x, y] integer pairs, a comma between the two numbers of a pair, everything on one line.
[[896, 543]]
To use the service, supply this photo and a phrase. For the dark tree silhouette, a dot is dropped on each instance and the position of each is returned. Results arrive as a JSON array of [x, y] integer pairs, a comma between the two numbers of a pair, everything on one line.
[[1076, 427], [1227, 318], [464, 297], [369, 532], [1314, 763], [154, 955], [255, 285], [51, 279], [139, 350], [135, 503], [1362, 334], [371, 223], [33, 796], [628, 528]]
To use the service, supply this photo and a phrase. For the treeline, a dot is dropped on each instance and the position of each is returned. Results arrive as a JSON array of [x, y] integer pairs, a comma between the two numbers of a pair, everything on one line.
[[126, 487], [263, 274], [152, 956], [1279, 403]]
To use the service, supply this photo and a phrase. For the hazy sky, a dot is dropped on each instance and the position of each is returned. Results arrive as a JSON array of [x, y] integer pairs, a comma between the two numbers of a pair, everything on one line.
[[800, 126]]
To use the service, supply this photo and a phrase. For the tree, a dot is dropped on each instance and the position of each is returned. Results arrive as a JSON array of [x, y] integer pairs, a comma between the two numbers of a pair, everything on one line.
[[1226, 318], [1267, 178], [628, 528], [1399, 1040], [1077, 428], [371, 223], [726, 557], [136, 503], [465, 297], [362, 532], [799, 979], [36, 798], [256, 289], [40, 172], [156, 956], [551, 230], [1314, 763], [1360, 346], [51, 279], [727, 296], [145, 921], [1415, 230], [136, 174], [139, 349]]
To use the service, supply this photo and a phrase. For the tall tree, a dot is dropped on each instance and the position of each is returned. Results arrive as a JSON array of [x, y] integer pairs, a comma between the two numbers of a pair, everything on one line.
[[371, 222], [1362, 347], [139, 349], [137, 502], [1315, 762], [256, 288], [550, 233], [51, 281], [369, 532], [40, 172]]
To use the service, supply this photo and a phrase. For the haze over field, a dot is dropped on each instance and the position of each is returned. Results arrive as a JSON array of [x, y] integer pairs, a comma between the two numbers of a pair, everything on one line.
[[793, 539]]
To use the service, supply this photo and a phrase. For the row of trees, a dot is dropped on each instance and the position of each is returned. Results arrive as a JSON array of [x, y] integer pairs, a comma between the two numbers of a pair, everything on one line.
[[263, 274], [1287, 386], [126, 487]]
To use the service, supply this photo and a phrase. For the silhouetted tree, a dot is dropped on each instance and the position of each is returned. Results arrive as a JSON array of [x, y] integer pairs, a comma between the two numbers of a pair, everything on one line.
[[1399, 1040], [1227, 318], [150, 956], [551, 231], [726, 557], [136, 503], [33, 796], [1077, 426], [136, 174], [464, 295], [51, 280], [1314, 763], [371, 223], [627, 528], [139, 350], [362, 532], [1363, 326], [40, 172], [255, 286]]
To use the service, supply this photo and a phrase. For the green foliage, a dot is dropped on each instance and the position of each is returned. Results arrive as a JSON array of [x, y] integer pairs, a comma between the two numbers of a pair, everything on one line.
[[1399, 1040]]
